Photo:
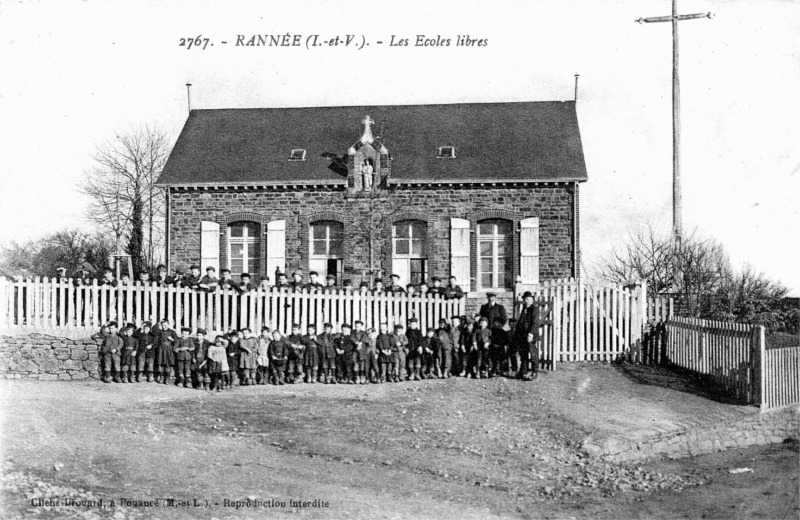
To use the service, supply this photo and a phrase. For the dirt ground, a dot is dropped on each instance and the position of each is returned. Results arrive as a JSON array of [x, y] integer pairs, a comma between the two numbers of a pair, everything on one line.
[[432, 449]]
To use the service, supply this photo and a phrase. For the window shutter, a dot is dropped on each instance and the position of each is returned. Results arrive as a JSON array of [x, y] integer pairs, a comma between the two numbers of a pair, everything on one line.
[[209, 245], [459, 250], [529, 251], [276, 248]]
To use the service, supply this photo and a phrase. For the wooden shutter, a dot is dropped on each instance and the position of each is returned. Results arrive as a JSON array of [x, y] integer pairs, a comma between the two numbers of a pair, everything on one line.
[[276, 248], [459, 250], [209, 245], [529, 251]]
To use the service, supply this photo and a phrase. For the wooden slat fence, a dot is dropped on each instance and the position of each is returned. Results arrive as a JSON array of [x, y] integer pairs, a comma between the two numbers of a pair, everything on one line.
[[780, 377], [727, 352], [592, 321], [46, 305]]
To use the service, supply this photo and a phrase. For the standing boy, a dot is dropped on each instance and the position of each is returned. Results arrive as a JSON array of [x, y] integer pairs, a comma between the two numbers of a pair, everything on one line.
[[359, 339], [483, 342], [384, 345], [234, 357], [294, 369], [128, 358], [146, 353], [110, 351], [184, 353], [429, 353], [459, 363], [327, 355], [248, 348], [414, 336], [446, 345], [372, 368], [165, 357], [278, 353], [401, 347], [313, 284], [311, 348], [345, 351], [498, 349], [453, 291], [200, 374], [262, 374]]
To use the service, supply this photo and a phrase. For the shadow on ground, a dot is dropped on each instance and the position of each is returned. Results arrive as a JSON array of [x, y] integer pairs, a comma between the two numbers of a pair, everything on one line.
[[678, 379]]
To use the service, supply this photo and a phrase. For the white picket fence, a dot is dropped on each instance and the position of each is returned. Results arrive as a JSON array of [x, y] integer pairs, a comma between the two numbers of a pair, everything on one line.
[[43, 305], [780, 377], [591, 321]]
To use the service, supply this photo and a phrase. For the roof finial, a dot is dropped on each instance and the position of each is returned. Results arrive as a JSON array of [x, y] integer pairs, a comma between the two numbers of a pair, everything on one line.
[[367, 137]]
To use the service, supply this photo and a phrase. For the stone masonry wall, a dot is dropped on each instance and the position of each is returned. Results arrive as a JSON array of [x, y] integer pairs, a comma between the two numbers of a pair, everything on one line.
[[770, 427], [553, 205], [48, 358]]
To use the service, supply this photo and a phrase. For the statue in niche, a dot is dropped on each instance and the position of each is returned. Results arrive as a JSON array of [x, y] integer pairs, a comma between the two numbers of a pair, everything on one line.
[[367, 174]]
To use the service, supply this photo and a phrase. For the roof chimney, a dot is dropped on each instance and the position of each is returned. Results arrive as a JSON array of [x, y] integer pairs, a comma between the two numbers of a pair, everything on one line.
[[189, 96], [576, 87]]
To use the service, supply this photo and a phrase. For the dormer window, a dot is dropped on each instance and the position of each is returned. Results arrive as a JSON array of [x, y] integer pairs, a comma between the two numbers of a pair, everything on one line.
[[446, 152], [298, 154]]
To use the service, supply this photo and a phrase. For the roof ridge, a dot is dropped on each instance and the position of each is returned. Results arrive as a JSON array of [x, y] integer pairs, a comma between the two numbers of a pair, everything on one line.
[[473, 103]]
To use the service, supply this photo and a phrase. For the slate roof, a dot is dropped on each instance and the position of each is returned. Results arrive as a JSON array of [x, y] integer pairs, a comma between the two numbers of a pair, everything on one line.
[[521, 141]]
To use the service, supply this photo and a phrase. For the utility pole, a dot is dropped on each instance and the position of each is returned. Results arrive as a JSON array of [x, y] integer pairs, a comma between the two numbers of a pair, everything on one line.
[[677, 207], [677, 220]]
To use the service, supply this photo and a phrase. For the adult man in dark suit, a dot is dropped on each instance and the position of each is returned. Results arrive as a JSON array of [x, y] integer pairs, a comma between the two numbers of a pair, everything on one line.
[[526, 336], [491, 310]]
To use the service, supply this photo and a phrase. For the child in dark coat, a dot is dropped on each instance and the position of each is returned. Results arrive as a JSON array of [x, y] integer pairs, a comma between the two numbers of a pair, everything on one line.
[[128, 359], [146, 353]]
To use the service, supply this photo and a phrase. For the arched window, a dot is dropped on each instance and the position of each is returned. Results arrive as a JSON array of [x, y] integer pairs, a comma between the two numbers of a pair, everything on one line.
[[409, 255], [495, 260], [326, 254], [244, 248]]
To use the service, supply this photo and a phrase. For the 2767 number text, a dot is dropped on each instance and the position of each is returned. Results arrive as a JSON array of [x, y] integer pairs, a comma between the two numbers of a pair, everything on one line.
[[198, 41]]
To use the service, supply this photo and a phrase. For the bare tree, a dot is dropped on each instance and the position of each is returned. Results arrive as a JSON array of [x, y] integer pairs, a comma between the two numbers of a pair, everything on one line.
[[645, 255], [124, 198]]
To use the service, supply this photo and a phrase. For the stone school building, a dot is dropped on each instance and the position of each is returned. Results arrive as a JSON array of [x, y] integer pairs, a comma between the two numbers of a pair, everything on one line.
[[487, 192]]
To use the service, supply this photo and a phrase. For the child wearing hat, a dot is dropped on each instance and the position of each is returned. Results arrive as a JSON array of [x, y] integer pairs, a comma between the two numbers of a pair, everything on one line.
[[327, 354], [278, 353], [428, 366], [414, 336], [311, 350], [217, 362], [165, 357], [400, 352], [445, 355], [146, 353], [396, 288], [483, 344], [358, 360], [234, 356], [330, 283], [128, 358], [184, 353], [497, 353], [294, 367], [384, 344], [199, 364], [437, 289]]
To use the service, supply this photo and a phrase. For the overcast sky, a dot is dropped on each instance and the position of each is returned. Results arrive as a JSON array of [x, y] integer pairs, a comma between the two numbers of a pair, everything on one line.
[[76, 72]]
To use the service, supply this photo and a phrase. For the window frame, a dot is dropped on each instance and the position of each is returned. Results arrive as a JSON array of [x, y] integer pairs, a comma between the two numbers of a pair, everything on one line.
[[502, 280], [441, 155], [301, 158], [245, 241]]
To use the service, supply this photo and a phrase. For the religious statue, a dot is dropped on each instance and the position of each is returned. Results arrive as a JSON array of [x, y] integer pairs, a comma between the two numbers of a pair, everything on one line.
[[366, 172]]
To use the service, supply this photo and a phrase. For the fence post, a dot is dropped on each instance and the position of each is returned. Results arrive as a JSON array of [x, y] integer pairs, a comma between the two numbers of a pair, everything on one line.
[[758, 374]]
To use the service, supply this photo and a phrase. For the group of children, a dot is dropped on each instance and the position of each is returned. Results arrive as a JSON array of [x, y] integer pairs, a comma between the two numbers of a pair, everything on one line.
[[210, 282], [467, 347]]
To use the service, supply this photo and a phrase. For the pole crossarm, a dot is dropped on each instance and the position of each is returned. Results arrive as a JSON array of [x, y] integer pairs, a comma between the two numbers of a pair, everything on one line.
[[679, 17]]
